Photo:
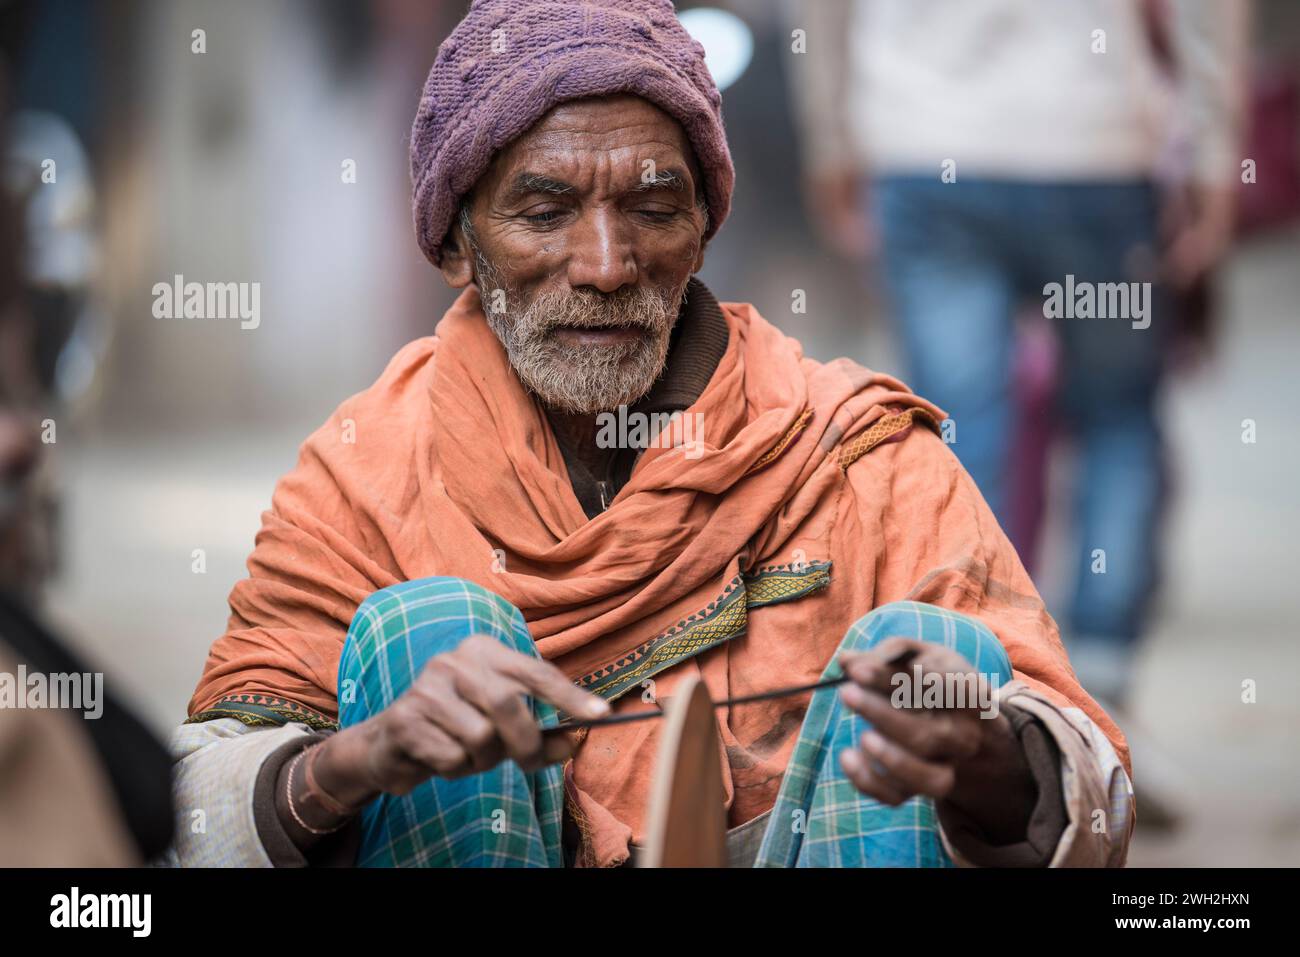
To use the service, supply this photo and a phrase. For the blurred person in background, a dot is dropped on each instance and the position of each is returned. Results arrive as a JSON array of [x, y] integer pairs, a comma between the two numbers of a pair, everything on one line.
[[84, 785], [987, 150]]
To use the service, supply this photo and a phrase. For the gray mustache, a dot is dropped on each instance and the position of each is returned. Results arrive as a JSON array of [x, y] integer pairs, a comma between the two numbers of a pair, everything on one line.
[[609, 324], [578, 312]]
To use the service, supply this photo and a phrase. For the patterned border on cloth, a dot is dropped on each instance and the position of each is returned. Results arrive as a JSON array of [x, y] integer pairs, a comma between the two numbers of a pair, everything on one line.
[[883, 429], [775, 584], [264, 710], [792, 433], [721, 620]]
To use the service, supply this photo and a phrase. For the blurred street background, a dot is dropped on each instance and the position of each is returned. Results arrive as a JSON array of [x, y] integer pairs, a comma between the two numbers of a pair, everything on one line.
[[226, 164]]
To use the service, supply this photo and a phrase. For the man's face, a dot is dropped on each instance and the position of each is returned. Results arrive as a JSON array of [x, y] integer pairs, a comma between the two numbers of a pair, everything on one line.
[[585, 232]]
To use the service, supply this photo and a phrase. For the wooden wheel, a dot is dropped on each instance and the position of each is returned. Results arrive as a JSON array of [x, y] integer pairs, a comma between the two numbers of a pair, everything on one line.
[[686, 821]]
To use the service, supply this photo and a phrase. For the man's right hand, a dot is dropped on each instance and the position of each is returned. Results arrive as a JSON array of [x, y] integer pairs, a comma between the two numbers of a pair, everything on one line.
[[464, 714]]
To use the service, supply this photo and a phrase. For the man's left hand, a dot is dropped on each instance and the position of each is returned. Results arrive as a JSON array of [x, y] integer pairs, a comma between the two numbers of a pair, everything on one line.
[[949, 753]]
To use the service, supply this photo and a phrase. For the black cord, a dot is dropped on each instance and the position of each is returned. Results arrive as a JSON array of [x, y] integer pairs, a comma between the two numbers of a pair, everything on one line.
[[659, 713], [897, 660]]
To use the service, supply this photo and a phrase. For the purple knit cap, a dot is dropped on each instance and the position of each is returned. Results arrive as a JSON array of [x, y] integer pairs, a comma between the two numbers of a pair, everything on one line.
[[510, 61]]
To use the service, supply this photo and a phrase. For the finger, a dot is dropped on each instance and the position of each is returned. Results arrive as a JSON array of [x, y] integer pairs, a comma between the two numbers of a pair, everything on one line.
[[440, 701], [438, 752], [549, 683], [862, 668], [932, 734], [479, 733], [907, 771], [873, 668], [413, 754], [502, 700], [943, 663], [868, 781], [963, 689]]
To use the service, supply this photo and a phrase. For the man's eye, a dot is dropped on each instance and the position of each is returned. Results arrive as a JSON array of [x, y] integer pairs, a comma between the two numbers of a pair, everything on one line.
[[657, 215], [543, 218]]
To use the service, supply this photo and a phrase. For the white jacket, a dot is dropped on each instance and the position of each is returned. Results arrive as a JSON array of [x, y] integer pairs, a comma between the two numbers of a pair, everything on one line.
[[1021, 89]]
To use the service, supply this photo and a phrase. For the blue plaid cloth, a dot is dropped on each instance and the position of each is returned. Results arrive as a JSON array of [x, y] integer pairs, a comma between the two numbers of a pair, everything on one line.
[[820, 819], [505, 817], [502, 818]]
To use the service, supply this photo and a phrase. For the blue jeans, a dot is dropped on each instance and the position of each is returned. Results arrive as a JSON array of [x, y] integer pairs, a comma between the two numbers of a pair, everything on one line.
[[960, 259]]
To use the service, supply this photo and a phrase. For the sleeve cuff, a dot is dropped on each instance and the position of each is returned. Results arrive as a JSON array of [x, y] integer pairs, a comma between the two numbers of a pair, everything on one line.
[[1093, 787], [1047, 821], [335, 850]]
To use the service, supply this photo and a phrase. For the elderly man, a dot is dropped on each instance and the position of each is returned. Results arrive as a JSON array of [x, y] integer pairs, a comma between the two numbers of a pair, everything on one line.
[[514, 522]]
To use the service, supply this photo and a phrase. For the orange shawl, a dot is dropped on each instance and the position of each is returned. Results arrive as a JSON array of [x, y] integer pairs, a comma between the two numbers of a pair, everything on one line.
[[813, 500]]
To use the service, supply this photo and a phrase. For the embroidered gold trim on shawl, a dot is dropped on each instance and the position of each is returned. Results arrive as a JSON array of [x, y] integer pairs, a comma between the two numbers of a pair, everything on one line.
[[792, 433], [720, 621], [881, 430]]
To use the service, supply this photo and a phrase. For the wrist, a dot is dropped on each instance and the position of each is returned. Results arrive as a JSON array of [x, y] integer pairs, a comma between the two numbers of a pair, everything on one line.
[[340, 767], [996, 788], [306, 810]]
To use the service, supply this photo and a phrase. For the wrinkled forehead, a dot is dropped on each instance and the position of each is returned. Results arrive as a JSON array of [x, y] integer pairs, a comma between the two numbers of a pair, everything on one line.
[[601, 143]]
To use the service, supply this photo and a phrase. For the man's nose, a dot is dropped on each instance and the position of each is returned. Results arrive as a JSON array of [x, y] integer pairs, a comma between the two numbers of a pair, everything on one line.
[[600, 254]]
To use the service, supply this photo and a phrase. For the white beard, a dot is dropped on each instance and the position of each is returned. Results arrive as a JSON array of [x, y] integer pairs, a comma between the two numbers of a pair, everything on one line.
[[593, 379]]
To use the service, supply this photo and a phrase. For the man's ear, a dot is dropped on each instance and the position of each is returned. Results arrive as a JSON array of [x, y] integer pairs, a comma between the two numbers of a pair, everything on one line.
[[457, 269], [704, 228], [699, 257]]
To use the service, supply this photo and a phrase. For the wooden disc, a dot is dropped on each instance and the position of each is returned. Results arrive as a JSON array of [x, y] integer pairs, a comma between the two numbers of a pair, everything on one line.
[[686, 824]]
